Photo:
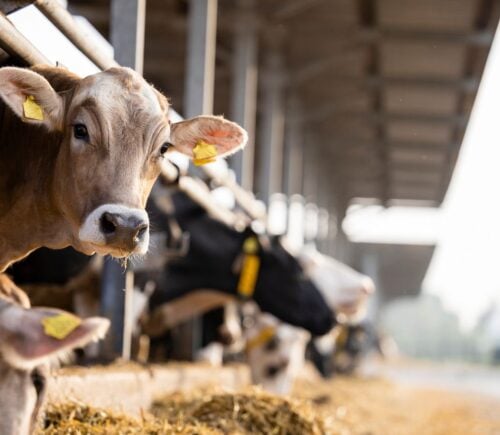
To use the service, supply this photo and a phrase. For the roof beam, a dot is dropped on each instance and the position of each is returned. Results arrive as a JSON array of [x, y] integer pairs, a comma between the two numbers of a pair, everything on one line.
[[305, 75], [332, 110]]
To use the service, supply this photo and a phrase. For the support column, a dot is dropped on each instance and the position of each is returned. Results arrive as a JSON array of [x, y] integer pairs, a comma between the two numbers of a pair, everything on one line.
[[244, 89], [294, 148], [198, 100], [311, 168], [128, 18], [127, 38], [199, 89], [272, 127]]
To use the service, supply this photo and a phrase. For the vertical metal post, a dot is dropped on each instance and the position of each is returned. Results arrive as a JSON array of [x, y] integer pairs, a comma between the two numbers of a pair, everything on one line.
[[128, 18], [198, 99], [272, 127], [127, 37], [311, 172], [294, 148], [128, 318], [244, 89], [113, 306], [199, 89]]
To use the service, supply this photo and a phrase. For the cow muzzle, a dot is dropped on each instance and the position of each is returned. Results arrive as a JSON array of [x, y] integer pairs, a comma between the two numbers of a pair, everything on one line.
[[117, 230]]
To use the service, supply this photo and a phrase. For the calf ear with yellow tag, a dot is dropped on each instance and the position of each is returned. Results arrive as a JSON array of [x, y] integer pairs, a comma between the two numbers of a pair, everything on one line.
[[42, 105], [204, 138]]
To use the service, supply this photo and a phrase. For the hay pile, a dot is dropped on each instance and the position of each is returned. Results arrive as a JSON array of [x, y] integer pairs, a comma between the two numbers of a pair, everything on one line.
[[248, 412], [202, 412], [77, 419]]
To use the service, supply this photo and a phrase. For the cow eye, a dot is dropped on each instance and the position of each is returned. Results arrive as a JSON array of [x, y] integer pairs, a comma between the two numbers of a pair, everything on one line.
[[164, 148], [80, 132]]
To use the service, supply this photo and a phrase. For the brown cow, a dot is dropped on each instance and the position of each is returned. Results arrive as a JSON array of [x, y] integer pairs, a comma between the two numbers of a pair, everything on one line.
[[26, 352], [79, 169]]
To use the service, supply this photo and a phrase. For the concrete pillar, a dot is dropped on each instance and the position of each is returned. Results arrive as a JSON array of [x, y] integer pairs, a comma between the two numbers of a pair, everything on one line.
[[310, 179], [271, 127], [128, 19], [127, 38], [294, 148], [244, 89], [199, 88]]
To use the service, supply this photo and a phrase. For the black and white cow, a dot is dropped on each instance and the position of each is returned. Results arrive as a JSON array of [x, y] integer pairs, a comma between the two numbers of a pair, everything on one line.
[[213, 266]]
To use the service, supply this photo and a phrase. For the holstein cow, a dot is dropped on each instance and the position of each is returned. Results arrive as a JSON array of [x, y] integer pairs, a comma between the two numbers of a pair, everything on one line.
[[272, 347], [79, 156], [30, 341], [275, 352], [222, 264]]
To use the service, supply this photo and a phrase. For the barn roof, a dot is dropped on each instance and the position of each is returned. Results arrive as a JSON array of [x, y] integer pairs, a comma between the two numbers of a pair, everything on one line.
[[386, 86]]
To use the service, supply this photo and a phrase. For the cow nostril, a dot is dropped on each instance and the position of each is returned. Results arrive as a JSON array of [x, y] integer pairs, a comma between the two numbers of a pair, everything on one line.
[[108, 223], [141, 231]]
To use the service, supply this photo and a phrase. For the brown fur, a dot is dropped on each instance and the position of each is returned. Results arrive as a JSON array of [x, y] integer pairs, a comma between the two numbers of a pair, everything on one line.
[[47, 189]]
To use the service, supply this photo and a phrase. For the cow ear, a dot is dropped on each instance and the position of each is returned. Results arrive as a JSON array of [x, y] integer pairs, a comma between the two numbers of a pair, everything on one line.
[[220, 136], [30, 337], [31, 97]]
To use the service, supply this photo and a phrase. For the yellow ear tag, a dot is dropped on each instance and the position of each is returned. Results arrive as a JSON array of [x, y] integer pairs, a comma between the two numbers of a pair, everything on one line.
[[204, 153], [32, 110], [60, 325], [250, 268], [261, 338]]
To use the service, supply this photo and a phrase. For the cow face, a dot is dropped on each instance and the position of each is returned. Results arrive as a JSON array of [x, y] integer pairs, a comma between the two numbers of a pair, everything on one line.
[[114, 134], [25, 353], [275, 352], [345, 289]]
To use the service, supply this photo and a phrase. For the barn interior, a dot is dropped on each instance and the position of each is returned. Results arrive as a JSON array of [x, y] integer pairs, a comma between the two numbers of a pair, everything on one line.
[[352, 107]]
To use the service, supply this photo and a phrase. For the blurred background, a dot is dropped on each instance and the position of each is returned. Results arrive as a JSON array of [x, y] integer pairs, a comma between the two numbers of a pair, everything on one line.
[[373, 132]]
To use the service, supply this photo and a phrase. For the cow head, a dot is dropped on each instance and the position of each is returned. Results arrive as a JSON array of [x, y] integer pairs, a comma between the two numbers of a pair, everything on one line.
[[25, 353], [346, 290], [275, 353], [113, 132]]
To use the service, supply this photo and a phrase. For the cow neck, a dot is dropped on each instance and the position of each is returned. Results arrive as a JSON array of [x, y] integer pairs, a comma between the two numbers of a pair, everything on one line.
[[29, 217]]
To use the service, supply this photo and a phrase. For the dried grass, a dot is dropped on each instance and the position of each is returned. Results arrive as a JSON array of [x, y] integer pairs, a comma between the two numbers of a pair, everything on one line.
[[248, 412], [201, 412]]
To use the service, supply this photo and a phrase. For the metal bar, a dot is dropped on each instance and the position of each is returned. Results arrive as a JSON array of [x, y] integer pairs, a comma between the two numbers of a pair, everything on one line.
[[272, 128], [200, 193], [128, 316], [199, 91], [113, 305], [294, 149], [245, 198], [244, 90], [64, 21], [127, 32], [14, 43]]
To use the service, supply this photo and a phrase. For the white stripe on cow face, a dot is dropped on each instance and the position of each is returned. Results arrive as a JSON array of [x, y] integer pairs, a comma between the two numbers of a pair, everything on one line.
[[121, 229]]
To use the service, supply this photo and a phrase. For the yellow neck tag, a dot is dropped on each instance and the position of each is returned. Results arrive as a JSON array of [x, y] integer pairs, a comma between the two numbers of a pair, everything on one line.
[[250, 268], [342, 337], [32, 110], [60, 325], [204, 153], [261, 338], [250, 245]]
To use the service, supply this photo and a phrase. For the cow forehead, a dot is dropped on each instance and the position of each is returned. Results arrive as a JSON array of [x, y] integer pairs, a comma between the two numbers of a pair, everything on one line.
[[120, 88]]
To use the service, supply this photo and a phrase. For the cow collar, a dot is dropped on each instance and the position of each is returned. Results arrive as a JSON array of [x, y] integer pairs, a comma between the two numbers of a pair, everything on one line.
[[250, 267]]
